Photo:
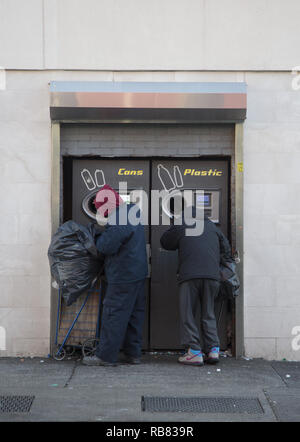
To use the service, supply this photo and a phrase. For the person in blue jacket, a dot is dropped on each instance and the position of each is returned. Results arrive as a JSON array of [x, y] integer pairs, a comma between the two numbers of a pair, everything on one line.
[[124, 248]]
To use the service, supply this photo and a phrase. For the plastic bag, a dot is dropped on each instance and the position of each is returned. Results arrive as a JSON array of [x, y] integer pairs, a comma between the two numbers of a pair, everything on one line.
[[230, 282], [75, 262]]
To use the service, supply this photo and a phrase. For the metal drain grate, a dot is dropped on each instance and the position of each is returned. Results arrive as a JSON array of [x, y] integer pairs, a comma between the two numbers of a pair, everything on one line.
[[202, 404], [15, 404]]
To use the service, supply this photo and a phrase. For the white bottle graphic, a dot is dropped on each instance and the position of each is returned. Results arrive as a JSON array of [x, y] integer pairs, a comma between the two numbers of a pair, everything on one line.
[[88, 179], [99, 178], [165, 178], [178, 176]]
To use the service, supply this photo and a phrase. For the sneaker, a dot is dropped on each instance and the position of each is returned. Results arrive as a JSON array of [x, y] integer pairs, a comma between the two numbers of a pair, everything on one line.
[[95, 361], [213, 356], [131, 360], [191, 358]]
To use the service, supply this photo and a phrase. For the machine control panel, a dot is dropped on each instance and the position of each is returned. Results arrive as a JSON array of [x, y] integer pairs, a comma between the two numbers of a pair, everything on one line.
[[210, 199]]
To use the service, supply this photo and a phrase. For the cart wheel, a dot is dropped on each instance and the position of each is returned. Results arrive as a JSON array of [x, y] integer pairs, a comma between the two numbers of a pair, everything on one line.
[[70, 350], [89, 346], [62, 354]]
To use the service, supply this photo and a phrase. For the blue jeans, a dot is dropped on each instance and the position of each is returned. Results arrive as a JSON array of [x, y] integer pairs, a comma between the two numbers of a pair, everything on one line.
[[122, 321]]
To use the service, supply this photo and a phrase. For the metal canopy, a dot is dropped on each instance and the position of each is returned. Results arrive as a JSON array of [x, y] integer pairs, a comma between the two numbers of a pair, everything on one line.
[[157, 102]]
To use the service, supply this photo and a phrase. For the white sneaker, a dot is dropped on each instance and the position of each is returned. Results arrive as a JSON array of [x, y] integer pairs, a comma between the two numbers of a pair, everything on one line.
[[213, 356], [190, 358]]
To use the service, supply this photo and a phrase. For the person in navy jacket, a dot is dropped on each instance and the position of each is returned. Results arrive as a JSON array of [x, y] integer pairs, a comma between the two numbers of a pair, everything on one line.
[[123, 246]]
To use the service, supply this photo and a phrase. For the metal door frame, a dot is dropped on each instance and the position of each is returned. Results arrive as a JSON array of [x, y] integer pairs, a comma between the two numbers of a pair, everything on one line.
[[239, 226]]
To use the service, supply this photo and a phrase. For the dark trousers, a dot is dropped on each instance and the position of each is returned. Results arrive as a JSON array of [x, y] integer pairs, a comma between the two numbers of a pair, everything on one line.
[[122, 321], [193, 295]]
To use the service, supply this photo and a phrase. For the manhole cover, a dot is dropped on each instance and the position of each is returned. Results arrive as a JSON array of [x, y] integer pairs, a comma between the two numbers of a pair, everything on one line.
[[15, 404], [202, 404]]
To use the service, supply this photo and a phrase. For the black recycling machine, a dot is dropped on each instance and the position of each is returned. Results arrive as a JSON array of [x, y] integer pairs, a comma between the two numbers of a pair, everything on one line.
[[86, 177]]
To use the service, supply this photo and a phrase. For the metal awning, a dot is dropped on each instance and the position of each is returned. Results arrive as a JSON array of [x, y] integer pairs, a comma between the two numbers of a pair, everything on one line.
[[140, 102]]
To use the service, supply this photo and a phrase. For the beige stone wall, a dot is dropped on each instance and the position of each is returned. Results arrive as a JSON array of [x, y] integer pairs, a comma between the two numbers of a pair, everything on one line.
[[271, 215], [137, 34], [25, 171]]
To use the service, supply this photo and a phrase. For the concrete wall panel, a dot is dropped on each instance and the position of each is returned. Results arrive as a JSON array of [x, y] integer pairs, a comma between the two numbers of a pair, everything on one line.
[[142, 35], [21, 34]]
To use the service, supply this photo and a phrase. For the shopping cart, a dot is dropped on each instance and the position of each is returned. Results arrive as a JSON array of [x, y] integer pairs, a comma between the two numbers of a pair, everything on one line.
[[78, 325]]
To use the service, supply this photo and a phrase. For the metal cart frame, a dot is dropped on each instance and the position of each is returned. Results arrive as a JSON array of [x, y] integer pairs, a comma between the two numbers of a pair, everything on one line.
[[89, 346]]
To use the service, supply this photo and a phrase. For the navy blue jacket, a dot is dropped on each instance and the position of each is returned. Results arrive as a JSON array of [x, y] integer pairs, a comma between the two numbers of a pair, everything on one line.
[[198, 256], [124, 248]]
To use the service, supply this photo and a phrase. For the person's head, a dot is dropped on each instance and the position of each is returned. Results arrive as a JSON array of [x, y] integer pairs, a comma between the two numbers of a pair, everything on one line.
[[106, 200]]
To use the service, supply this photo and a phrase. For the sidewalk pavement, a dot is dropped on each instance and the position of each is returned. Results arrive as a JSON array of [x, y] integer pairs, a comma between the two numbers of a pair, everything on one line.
[[69, 391]]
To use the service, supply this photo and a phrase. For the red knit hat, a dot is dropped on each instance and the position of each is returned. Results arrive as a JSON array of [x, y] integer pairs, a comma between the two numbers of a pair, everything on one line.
[[108, 196]]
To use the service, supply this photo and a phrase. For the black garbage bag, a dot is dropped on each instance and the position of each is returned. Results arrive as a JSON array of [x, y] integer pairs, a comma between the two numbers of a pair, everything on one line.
[[75, 262], [230, 283]]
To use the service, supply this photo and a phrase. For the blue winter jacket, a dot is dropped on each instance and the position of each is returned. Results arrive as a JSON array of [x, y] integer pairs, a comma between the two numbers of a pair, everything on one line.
[[124, 248]]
